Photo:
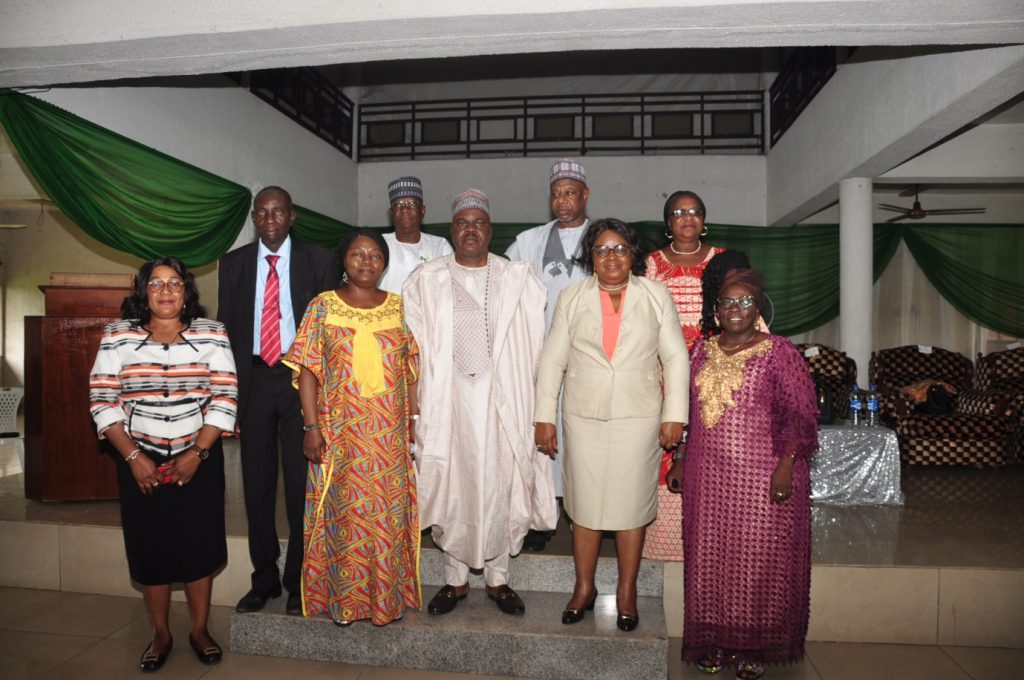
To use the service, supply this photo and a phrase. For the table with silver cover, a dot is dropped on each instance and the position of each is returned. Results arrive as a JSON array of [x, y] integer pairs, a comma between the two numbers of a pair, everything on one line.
[[856, 466]]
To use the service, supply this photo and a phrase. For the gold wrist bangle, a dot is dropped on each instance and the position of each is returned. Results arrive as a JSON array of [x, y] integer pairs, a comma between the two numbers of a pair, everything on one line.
[[132, 456]]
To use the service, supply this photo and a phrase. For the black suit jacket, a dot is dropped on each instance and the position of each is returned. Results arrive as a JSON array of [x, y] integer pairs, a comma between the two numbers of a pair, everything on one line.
[[312, 271]]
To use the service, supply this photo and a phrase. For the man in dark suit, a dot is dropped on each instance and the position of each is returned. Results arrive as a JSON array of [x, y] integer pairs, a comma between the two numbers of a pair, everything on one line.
[[264, 289]]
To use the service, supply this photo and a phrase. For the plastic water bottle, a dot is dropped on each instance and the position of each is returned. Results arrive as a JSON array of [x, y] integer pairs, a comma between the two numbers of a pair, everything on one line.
[[855, 406], [872, 403]]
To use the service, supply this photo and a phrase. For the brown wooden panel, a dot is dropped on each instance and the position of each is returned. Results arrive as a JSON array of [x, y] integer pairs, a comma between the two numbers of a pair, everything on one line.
[[87, 302], [33, 407], [66, 454]]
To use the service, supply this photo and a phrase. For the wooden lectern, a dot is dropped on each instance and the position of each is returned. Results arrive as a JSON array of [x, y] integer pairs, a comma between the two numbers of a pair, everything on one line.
[[64, 460]]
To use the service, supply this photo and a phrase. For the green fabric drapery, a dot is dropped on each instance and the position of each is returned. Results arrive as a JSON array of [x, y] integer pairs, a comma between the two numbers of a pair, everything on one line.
[[143, 202], [800, 265], [126, 195], [313, 227], [978, 268]]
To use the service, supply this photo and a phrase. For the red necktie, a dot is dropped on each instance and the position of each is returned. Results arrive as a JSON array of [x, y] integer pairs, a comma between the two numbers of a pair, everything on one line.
[[270, 322]]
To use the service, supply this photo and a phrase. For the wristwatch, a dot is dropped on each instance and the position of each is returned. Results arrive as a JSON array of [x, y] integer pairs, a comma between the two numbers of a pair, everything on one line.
[[202, 453]]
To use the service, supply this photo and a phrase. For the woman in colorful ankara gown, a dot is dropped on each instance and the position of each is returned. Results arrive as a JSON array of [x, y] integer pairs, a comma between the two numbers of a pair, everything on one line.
[[356, 368], [746, 492]]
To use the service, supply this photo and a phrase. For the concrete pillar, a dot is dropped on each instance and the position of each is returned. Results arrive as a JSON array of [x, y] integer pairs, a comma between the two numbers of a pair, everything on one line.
[[855, 277]]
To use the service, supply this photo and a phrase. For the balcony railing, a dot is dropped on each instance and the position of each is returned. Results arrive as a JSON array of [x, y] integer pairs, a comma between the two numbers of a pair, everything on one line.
[[805, 72], [309, 99], [624, 124]]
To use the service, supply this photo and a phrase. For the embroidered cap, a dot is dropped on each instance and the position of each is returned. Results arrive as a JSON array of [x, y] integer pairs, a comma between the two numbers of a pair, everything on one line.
[[405, 186], [471, 198], [567, 168]]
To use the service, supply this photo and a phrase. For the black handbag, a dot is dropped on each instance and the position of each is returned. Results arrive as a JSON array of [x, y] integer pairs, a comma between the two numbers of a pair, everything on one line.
[[826, 412]]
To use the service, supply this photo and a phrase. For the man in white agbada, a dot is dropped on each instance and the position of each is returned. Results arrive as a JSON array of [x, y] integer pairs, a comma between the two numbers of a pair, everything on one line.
[[408, 246], [479, 322], [550, 249]]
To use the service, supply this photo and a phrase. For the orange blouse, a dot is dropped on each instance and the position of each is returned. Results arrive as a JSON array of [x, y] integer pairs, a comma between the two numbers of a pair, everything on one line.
[[610, 322]]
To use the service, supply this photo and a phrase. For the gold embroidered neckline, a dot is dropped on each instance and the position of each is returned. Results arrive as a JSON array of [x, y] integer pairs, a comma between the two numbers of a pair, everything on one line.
[[721, 376]]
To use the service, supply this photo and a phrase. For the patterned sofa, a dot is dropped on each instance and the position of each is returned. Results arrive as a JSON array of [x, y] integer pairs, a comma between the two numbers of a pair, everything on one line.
[[979, 431], [1004, 372], [836, 369]]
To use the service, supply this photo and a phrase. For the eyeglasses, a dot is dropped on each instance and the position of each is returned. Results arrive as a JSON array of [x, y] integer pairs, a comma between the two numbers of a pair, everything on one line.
[[159, 285], [745, 302], [620, 251], [407, 204], [692, 212]]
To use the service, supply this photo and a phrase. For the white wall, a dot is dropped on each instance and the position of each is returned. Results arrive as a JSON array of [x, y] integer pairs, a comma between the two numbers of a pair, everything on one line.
[[630, 188], [214, 125], [879, 109]]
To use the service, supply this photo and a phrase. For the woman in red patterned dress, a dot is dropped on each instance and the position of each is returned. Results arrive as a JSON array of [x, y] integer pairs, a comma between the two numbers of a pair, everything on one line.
[[680, 266]]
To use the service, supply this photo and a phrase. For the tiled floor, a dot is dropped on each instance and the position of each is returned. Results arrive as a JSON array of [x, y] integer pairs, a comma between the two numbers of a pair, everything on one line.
[[48, 634], [953, 517]]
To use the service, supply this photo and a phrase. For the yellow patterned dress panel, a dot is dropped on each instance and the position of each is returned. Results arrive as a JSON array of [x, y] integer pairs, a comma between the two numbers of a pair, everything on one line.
[[361, 520], [721, 377]]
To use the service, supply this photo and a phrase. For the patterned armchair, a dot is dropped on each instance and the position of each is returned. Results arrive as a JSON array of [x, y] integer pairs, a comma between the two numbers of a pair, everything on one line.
[[837, 370], [980, 429], [1004, 372]]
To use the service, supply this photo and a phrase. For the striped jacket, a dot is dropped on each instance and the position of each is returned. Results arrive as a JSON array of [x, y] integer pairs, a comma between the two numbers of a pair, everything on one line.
[[164, 393]]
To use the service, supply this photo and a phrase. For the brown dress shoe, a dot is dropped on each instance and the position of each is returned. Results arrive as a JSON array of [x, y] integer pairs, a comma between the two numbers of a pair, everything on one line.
[[445, 600], [507, 599]]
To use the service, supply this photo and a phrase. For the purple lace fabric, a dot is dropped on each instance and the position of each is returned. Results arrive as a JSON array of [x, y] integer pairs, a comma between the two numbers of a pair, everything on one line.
[[748, 561]]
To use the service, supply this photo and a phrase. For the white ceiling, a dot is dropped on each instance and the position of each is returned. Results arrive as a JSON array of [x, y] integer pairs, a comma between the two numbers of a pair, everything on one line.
[[50, 42], [44, 42]]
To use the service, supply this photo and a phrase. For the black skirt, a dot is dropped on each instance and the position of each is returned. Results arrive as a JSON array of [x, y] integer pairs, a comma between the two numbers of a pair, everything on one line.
[[177, 534]]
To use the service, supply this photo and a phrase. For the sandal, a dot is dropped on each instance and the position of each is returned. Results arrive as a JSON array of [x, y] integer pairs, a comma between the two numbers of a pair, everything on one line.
[[748, 670], [711, 662]]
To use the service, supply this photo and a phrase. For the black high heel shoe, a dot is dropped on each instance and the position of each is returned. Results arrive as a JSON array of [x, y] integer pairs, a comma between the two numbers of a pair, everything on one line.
[[570, 616], [627, 622]]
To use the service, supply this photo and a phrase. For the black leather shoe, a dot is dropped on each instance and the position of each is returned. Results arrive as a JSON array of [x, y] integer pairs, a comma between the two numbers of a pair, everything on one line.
[[570, 616], [294, 605], [445, 600], [627, 622], [150, 662], [507, 599], [253, 601], [211, 655], [535, 541]]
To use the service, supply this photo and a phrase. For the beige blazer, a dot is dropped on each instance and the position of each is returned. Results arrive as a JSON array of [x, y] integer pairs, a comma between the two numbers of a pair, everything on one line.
[[628, 386]]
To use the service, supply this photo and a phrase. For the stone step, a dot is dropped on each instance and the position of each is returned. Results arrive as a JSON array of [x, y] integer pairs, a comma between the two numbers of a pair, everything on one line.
[[475, 638], [547, 573]]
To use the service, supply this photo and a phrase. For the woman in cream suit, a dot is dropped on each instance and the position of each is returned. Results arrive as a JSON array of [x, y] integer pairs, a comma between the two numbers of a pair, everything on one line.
[[609, 336]]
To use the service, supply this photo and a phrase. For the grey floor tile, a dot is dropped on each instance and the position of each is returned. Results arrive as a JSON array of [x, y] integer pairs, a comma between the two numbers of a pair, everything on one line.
[[835, 661], [25, 655], [989, 663]]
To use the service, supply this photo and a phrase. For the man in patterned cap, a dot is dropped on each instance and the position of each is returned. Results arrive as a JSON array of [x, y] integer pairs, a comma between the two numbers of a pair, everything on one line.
[[482, 483], [409, 247], [550, 249]]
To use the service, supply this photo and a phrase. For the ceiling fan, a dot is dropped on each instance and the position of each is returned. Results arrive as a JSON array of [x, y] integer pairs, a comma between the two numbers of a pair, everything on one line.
[[917, 212]]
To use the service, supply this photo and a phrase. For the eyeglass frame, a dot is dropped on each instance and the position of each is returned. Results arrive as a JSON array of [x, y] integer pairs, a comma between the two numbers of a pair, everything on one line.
[[173, 285], [620, 250], [692, 212], [744, 302], [406, 203]]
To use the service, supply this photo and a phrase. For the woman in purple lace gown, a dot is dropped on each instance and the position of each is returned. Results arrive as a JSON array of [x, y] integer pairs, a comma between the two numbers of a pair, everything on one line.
[[746, 491]]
